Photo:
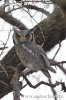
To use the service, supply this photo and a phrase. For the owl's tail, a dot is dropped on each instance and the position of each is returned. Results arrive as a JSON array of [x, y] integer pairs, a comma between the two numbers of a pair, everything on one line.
[[46, 73], [51, 69]]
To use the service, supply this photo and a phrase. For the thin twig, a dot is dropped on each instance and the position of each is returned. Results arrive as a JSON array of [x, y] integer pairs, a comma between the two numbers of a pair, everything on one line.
[[6, 42], [53, 90], [2, 82], [2, 48], [55, 63], [36, 23], [40, 83], [57, 52], [38, 9], [4, 70], [36, 1]]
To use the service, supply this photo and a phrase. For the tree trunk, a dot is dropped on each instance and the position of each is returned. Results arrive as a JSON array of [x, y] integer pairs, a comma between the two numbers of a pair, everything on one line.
[[54, 31]]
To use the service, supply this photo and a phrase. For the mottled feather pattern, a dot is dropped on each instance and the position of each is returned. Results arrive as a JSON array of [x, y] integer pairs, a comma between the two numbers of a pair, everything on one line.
[[32, 56]]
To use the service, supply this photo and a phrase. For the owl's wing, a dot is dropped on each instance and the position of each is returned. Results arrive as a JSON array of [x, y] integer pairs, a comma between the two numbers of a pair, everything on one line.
[[44, 56]]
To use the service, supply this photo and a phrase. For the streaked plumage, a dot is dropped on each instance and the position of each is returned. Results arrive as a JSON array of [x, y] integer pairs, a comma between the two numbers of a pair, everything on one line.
[[31, 55]]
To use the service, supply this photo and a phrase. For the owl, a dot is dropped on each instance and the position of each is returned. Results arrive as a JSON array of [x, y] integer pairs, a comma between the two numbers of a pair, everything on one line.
[[32, 55]]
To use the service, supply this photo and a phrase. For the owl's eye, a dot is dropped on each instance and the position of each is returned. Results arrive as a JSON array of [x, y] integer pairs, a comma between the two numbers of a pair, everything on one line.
[[27, 36], [18, 36]]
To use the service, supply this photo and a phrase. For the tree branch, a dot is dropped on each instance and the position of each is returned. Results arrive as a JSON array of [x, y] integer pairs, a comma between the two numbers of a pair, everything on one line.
[[37, 9], [11, 20], [53, 90], [55, 63], [40, 83], [54, 30]]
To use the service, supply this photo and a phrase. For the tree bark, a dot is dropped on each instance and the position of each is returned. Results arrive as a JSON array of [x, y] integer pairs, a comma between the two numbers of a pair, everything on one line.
[[54, 31]]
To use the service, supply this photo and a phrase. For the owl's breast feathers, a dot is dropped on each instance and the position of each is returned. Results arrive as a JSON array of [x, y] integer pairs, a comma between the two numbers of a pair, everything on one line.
[[35, 55]]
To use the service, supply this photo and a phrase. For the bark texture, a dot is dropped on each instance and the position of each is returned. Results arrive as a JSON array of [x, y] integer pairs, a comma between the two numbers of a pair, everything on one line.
[[54, 31]]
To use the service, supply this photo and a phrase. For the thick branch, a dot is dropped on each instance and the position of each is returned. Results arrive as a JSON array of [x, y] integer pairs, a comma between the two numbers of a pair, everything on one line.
[[37, 9], [54, 30], [15, 85], [11, 20]]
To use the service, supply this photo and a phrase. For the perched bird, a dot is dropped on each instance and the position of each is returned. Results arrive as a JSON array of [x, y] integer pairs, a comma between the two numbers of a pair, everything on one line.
[[30, 54]]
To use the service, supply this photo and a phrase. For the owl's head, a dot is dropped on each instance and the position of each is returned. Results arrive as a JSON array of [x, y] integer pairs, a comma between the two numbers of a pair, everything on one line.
[[22, 36]]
